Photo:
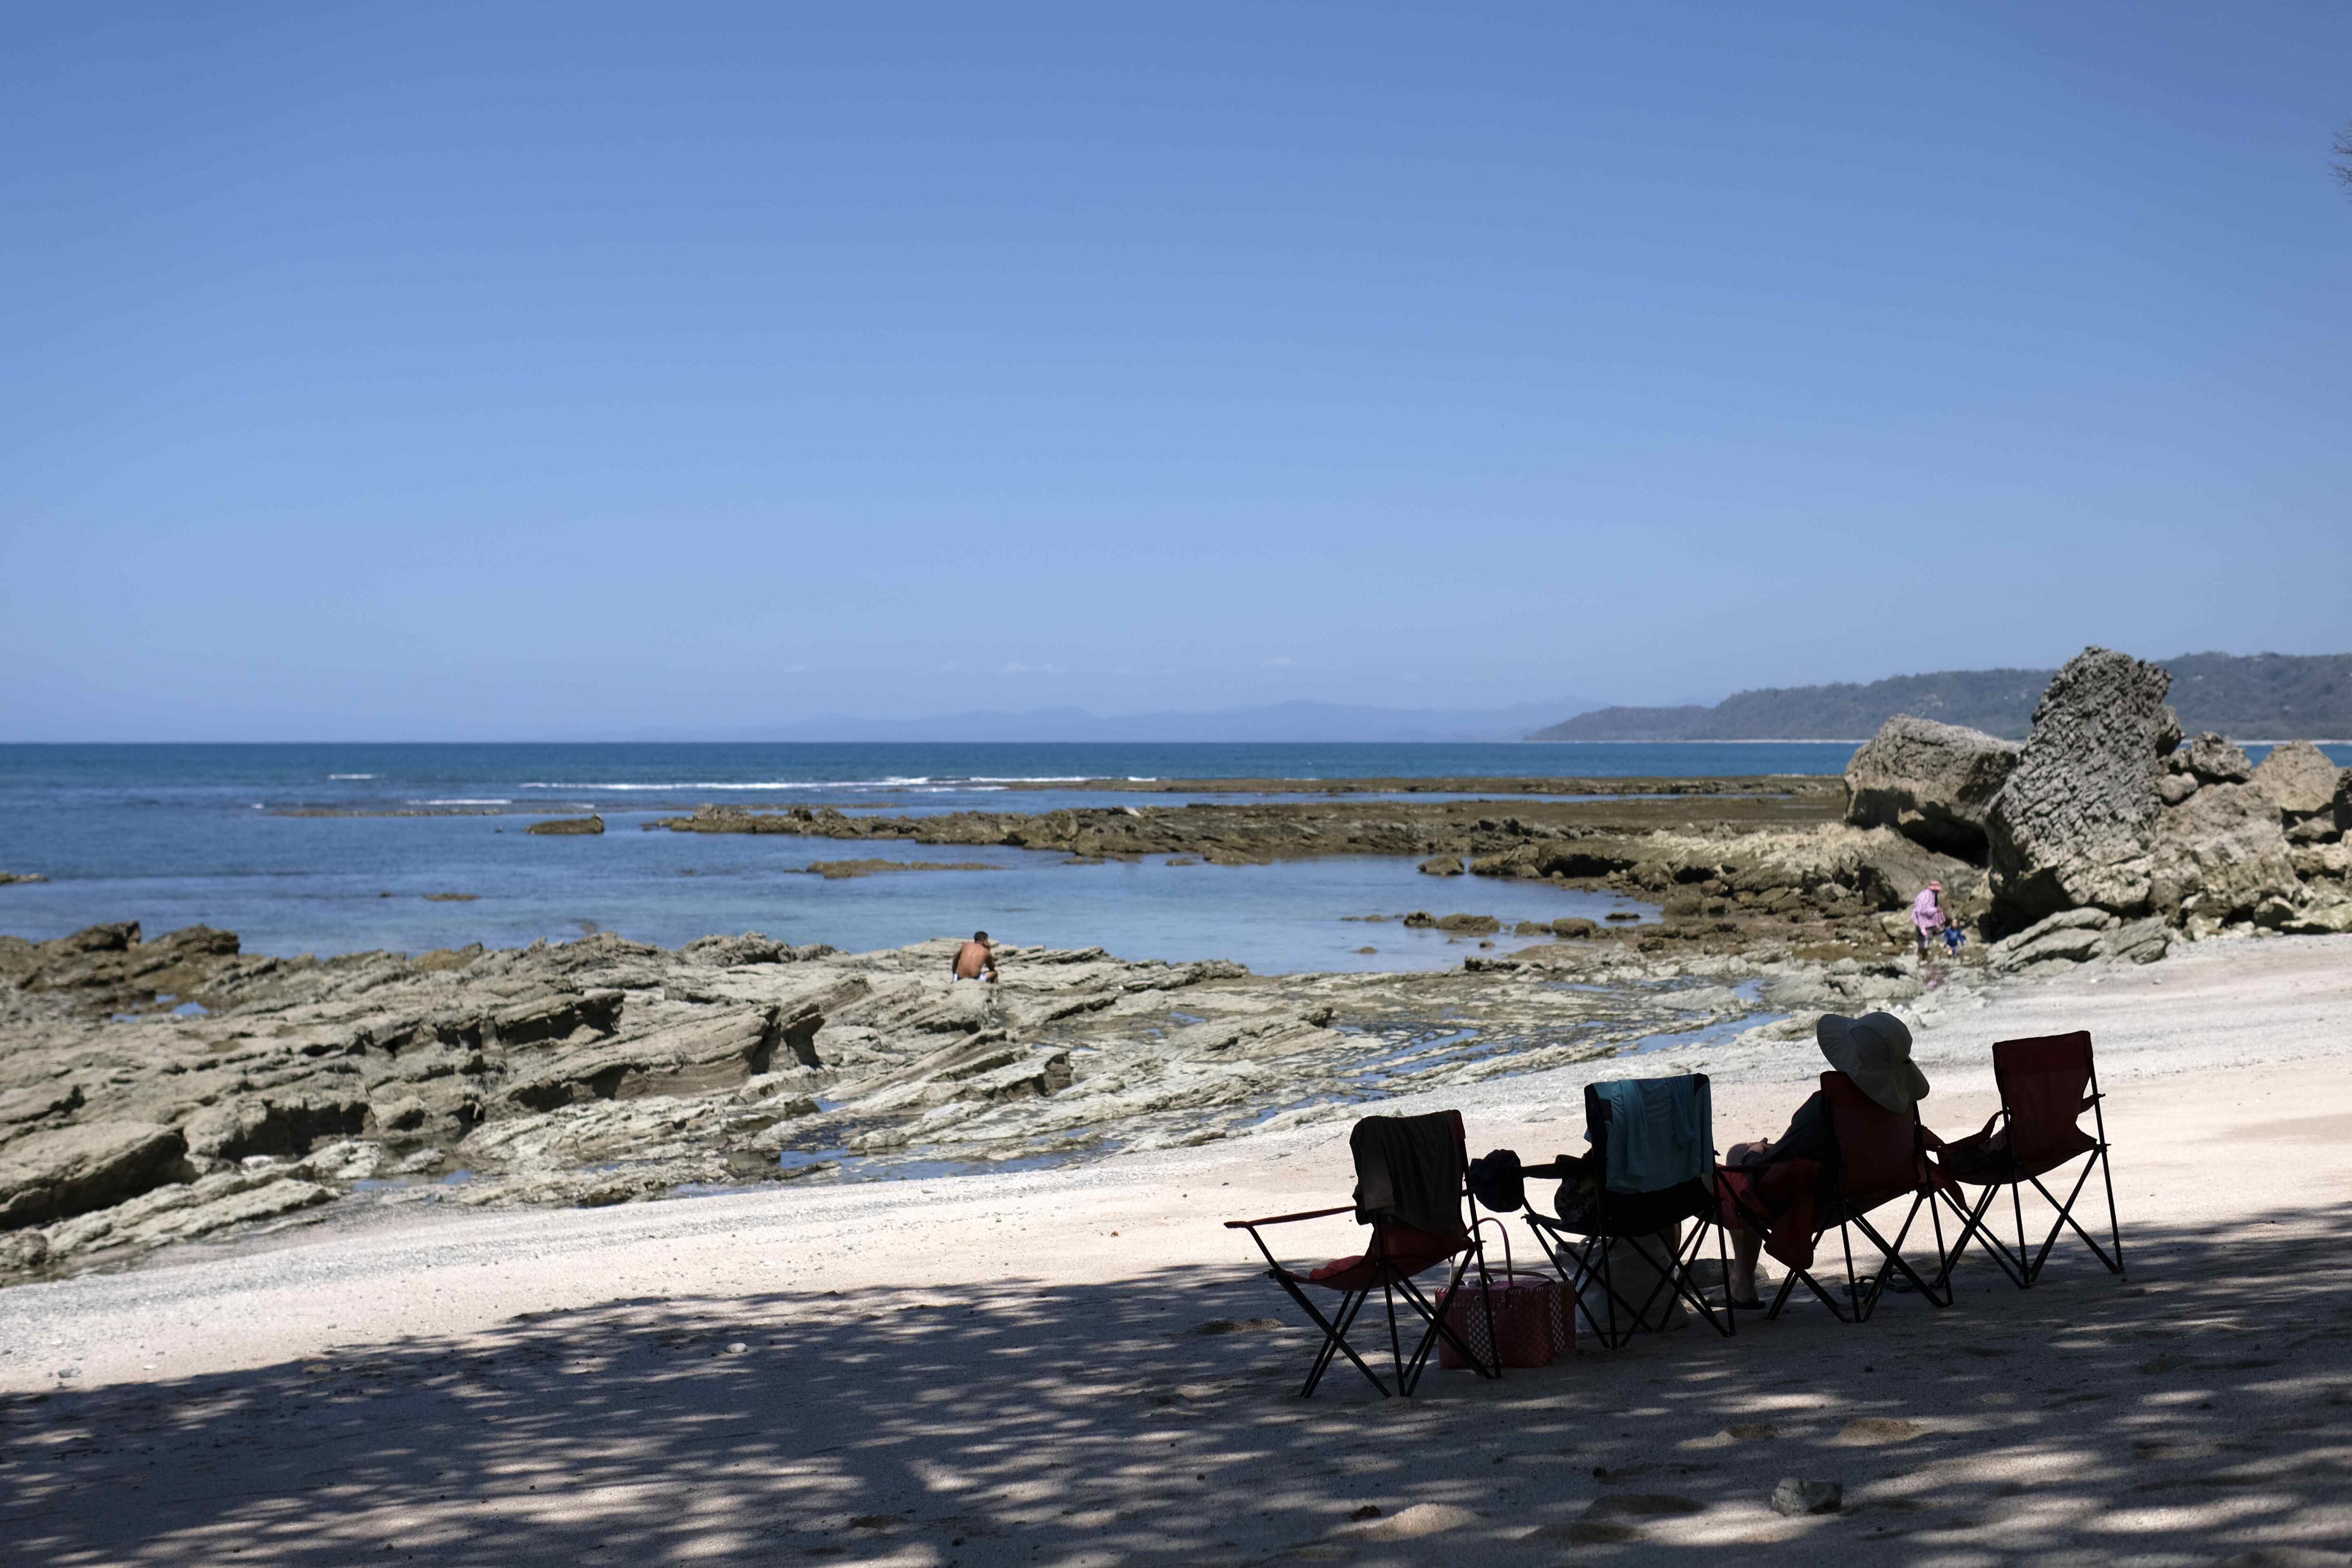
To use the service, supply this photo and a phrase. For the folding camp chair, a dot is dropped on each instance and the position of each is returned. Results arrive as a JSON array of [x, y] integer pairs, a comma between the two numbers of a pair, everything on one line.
[[2046, 1084], [1397, 1253], [1601, 1216], [1880, 1157]]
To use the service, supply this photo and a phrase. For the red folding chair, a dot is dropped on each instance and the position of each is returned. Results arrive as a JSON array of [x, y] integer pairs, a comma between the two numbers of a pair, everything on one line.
[[1881, 1157], [2046, 1084], [1397, 1253]]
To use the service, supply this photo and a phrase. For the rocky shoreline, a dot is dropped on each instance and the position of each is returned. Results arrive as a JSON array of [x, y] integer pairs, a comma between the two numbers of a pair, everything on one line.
[[156, 1092]]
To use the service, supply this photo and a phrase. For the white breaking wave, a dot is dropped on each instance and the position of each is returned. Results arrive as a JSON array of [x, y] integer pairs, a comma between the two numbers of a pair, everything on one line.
[[461, 802], [351, 775], [763, 784]]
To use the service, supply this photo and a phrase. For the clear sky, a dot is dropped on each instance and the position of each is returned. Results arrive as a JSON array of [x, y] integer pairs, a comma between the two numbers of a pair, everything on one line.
[[482, 371]]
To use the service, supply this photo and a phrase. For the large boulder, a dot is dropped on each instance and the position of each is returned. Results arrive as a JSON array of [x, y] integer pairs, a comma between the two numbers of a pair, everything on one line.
[[2074, 825], [2211, 759], [2218, 855], [71, 1170], [1931, 782], [2299, 779]]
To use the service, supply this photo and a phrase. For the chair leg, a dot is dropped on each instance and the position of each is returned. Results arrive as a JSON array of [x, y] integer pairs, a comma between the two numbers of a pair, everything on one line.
[[1895, 1260], [2017, 1208], [1438, 1328], [1335, 1335], [2115, 1224], [2066, 1219], [1974, 1227]]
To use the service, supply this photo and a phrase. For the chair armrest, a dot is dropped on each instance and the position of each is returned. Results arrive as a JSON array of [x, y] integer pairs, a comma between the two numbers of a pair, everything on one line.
[[1286, 1218]]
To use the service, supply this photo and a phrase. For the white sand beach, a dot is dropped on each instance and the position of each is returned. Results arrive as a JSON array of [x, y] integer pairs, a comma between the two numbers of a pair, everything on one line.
[[1082, 1366]]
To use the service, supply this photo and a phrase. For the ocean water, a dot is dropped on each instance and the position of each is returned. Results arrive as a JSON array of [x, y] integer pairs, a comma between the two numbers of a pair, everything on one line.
[[329, 849]]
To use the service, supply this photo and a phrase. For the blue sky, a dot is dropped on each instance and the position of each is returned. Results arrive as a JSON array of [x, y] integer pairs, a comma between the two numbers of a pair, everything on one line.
[[519, 372]]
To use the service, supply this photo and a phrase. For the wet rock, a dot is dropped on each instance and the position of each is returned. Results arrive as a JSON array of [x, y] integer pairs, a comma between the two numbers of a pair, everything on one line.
[[1569, 928], [2221, 854], [836, 870], [1931, 782], [2299, 779], [1459, 925], [9, 877], [2075, 824], [66, 1171], [567, 825], [1441, 865], [1792, 1498], [2211, 759]]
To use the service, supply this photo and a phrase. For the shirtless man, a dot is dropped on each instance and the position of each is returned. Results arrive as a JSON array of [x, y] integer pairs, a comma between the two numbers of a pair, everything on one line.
[[975, 959]]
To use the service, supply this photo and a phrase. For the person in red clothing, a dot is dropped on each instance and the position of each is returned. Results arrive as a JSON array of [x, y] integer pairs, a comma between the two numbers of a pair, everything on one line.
[[1874, 1050]]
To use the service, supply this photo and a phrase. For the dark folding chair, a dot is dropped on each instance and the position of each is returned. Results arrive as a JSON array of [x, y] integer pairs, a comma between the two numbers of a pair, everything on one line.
[[1881, 1157], [2046, 1084], [1397, 1253], [1587, 1240]]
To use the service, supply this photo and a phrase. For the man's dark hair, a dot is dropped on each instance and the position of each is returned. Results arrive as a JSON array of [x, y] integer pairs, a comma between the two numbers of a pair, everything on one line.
[[980, 936]]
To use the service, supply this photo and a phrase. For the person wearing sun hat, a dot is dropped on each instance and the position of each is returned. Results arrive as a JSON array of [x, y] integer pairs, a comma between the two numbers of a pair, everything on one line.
[[1874, 1050]]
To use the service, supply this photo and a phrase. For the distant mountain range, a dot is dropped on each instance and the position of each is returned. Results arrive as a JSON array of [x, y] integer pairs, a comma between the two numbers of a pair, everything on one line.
[[2259, 696], [1293, 722]]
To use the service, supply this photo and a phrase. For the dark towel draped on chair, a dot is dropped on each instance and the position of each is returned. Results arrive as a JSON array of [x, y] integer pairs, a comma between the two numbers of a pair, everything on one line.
[[1409, 1171]]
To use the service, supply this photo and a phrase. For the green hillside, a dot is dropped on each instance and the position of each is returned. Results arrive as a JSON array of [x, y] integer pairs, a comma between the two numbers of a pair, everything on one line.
[[2260, 696]]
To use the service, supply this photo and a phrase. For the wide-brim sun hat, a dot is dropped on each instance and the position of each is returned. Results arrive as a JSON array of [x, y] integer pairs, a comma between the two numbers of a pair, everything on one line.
[[1874, 1050]]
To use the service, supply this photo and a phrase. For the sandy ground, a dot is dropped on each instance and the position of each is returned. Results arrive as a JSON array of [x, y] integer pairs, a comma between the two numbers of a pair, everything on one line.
[[1011, 1369]]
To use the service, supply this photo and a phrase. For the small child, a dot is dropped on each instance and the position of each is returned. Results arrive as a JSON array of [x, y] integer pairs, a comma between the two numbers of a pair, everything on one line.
[[1953, 937]]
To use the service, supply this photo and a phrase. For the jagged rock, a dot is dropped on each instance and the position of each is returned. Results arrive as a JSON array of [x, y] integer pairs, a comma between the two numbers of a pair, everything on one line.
[[8, 877], [2169, 731], [2137, 941], [178, 1213], [2299, 779], [1932, 782], [2072, 936], [2211, 759], [22, 1250], [2073, 824], [726, 951], [282, 1122], [2344, 801], [2172, 789], [1441, 865], [2326, 912], [2318, 830], [2312, 863], [563, 825], [70, 1170], [1461, 925], [2221, 854]]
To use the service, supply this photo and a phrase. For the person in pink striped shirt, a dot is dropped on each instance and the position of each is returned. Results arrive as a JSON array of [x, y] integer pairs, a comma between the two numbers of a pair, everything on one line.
[[1928, 921]]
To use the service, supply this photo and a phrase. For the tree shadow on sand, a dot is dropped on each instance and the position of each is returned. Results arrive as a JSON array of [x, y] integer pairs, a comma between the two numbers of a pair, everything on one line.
[[2201, 1412]]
